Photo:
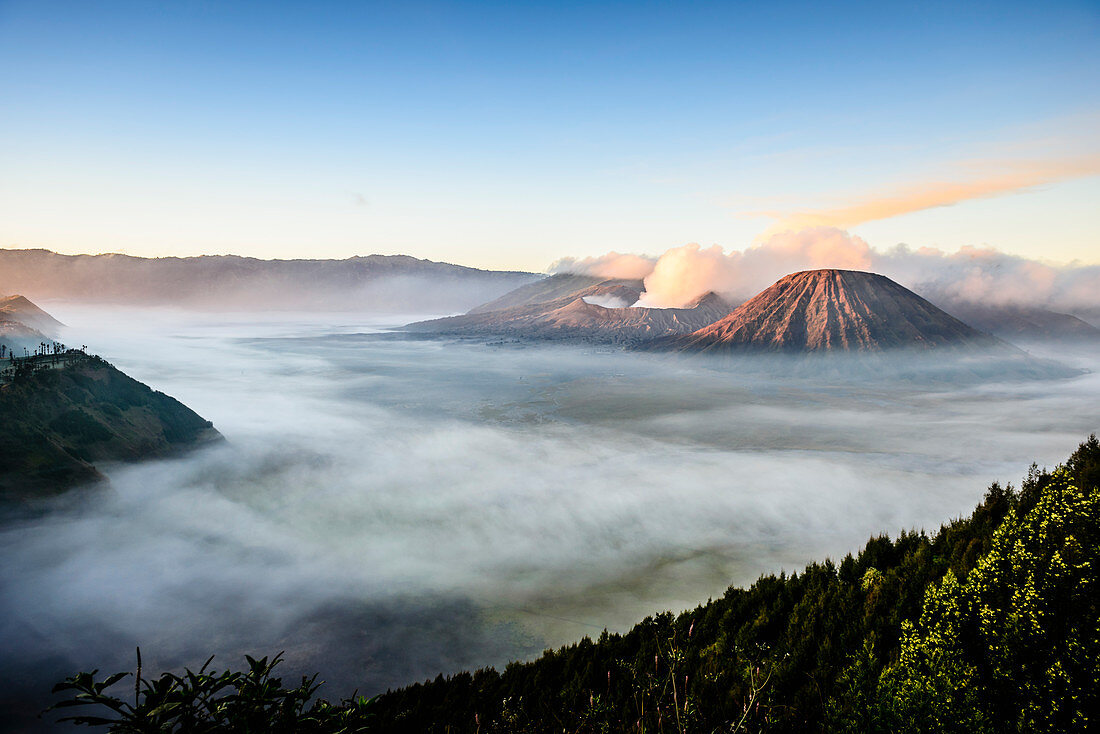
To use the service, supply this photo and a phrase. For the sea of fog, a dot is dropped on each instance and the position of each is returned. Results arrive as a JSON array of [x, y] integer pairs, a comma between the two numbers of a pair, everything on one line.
[[385, 509]]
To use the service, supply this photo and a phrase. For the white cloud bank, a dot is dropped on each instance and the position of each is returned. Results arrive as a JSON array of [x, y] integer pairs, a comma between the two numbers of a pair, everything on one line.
[[979, 274]]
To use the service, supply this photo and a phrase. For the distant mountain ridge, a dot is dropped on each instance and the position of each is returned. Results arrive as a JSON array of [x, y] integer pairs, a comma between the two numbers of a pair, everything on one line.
[[1024, 322], [837, 310], [870, 326], [569, 308], [394, 283]]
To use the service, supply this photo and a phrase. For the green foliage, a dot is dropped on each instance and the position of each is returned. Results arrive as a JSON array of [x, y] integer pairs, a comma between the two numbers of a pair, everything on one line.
[[62, 413], [79, 427], [1017, 647], [208, 701], [855, 709], [934, 685]]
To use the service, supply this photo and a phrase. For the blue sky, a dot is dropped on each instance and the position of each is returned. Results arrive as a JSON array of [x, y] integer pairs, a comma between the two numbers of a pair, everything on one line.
[[511, 134]]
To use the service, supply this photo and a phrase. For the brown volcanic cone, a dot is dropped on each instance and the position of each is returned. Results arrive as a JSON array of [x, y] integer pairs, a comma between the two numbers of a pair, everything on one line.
[[836, 310]]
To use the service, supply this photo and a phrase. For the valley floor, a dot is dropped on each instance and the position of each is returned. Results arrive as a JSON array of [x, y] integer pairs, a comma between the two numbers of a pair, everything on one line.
[[385, 510]]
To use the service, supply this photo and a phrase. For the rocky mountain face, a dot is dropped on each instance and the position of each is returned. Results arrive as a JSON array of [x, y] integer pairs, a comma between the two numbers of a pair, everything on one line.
[[836, 310], [396, 283], [578, 308], [18, 308], [546, 290]]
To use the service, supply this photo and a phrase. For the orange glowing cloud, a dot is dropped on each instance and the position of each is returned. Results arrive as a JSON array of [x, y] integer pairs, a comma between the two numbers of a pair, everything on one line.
[[1019, 176]]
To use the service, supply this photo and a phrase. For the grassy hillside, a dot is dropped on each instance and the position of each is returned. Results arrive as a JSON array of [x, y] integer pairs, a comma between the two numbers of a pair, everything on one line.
[[990, 625], [60, 419]]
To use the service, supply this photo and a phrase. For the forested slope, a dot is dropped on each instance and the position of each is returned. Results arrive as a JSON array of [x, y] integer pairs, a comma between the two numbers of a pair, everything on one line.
[[823, 650], [59, 415]]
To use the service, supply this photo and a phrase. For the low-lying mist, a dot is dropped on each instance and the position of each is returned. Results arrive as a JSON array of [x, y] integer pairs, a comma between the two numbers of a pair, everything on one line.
[[388, 509]]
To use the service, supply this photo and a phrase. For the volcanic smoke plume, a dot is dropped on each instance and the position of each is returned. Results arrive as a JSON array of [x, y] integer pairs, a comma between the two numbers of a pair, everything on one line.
[[972, 274]]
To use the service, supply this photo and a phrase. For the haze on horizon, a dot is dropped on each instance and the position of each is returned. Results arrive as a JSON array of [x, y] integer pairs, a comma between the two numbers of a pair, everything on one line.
[[507, 137]]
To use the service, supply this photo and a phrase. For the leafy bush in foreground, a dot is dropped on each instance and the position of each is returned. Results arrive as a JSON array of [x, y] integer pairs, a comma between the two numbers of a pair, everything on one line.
[[208, 701]]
